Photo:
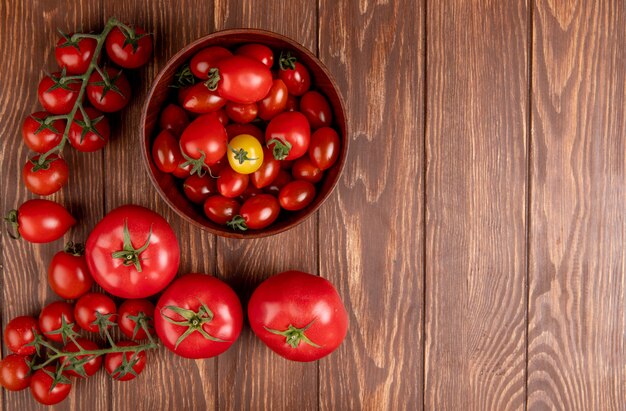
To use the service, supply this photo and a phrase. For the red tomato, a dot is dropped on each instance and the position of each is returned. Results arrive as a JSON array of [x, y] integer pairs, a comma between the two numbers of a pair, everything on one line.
[[278, 183], [316, 109], [40, 221], [56, 95], [74, 368], [14, 372], [235, 129], [56, 321], [183, 170], [222, 116], [231, 184], [268, 171], [134, 315], [199, 188], [287, 164], [38, 135], [249, 192], [74, 56], [293, 104], [240, 79], [289, 135], [108, 94], [182, 94], [275, 102], [198, 316], [121, 369], [95, 312], [199, 99], [204, 142], [166, 152], [92, 135], [258, 52], [47, 387], [294, 74], [206, 59], [241, 113], [129, 50], [220, 209], [256, 213], [296, 195], [20, 332], [47, 178], [173, 119], [298, 315], [324, 148], [68, 274], [303, 169]]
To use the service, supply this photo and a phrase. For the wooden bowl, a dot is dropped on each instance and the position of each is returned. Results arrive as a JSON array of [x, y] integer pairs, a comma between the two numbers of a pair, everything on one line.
[[166, 184]]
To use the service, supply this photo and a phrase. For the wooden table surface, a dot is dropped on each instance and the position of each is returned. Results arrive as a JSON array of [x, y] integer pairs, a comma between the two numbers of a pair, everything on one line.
[[477, 236]]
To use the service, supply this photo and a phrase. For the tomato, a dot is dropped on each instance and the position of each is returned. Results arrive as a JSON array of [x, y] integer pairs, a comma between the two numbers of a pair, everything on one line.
[[249, 192], [57, 95], [182, 94], [303, 169], [275, 102], [173, 119], [125, 366], [91, 135], [198, 316], [267, 172], [74, 56], [278, 183], [20, 332], [235, 129], [129, 49], [293, 104], [199, 188], [296, 195], [316, 109], [15, 372], [47, 178], [40, 221], [110, 93], [206, 59], [135, 316], [222, 117], [258, 52], [75, 367], [56, 321], [199, 99], [256, 213], [38, 135], [95, 312], [231, 183], [294, 74], [299, 316], [245, 154], [166, 152], [287, 164], [68, 274], [204, 142], [289, 134], [220, 209], [183, 170], [241, 113], [48, 386], [132, 252], [240, 79], [324, 148]]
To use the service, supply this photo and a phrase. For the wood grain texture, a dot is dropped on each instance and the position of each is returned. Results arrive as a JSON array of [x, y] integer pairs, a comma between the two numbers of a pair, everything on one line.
[[476, 148], [577, 317]]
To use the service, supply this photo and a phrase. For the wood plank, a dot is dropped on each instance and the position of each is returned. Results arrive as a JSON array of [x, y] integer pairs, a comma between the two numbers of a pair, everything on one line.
[[371, 229], [251, 376], [577, 280], [476, 145]]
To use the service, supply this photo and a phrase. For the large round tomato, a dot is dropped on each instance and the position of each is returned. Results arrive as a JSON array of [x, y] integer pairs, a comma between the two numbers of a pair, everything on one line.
[[135, 316], [121, 369], [40, 221], [204, 142], [166, 152], [199, 99], [198, 316], [56, 321], [48, 387], [19, 333], [258, 52], [38, 135], [294, 74], [74, 56], [173, 119], [220, 209], [296, 195], [245, 154], [316, 109], [299, 316], [95, 312], [129, 49], [68, 274], [76, 367], [57, 95], [289, 135], [47, 178], [256, 213], [132, 252], [206, 59], [267, 172], [14, 372], [109, 93], [240, 79], [91, 134], [324, 148], [275, 102]]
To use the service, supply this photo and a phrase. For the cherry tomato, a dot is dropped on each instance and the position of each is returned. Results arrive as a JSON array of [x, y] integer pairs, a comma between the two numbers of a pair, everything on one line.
[[199, 99], [232, 184], [222, 117], [267, 172], [258, 52], [316, 109], [20, 332], [182, 171], [293, 104], [240, 79], [296, 195], [217, 168], [166, 152], [294, 74], [121, 370], [133, 316], [245, 154], [44, 389], [324, 148], [74, 56], [235, 129], [206, 59], [55, 318], [204, 141], [220, 209], [198, 316], [289, 135], [249, 192], [94, 312], [40, 221], [287, 164], [129, 49], [241, 113], [173, 119], [256, 213], [199, 188], [278, 183], [14, 372], [68, 274], [303, 169], [92, 135], [111, 93], [275, 102], [83, 370], [47, 178], [56, 95], [38, 135]]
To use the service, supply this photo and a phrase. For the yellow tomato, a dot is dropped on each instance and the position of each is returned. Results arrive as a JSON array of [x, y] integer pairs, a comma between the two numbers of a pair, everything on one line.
[[245, 154]]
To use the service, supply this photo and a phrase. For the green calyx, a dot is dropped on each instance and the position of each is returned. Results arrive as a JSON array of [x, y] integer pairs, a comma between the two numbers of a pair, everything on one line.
[[197, 164], [293, 335], [126, 367], [241, 155], [107, 83], [142, 321], [57, 376], [193, 320], [281, 148], [183, 77], [237, 223], [129, 254], [42, 165], [287, 61], [75, 249], [63, 81], [214, 79], [66, 330], [131, 37], [11, 218], [89, 125], [103, 322]]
